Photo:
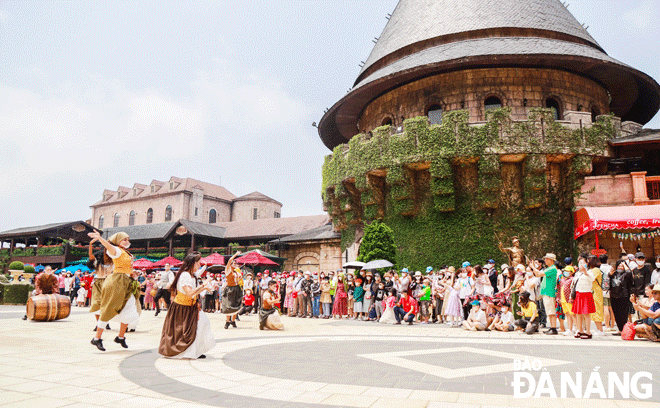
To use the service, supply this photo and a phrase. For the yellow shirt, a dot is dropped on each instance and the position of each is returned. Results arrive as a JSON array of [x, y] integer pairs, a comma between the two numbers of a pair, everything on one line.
[[123, 261], [530, 310]]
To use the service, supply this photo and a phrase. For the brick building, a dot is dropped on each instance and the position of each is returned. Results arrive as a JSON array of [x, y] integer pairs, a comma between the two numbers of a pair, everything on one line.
[[179, 199]]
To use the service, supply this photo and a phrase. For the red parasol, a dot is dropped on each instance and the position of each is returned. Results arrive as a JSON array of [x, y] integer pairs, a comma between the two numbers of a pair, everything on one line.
[[213, 259], [143, 263], [254, 259], [169, 260]]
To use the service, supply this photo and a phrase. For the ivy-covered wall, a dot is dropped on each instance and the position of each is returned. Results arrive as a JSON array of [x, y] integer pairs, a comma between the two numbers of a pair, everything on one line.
[[451, 192]]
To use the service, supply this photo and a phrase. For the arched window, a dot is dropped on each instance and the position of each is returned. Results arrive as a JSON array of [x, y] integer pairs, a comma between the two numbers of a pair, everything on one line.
[[595, 112], [168, 213], [552, 103], [131, 218], [150, 215], [101, 222], [116, 222], [387, 121], [492, 102], [435, 115], [212, 216]]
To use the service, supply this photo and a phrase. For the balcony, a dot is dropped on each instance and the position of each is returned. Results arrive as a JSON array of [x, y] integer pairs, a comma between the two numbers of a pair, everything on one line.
[[621, 189], [653, 188]]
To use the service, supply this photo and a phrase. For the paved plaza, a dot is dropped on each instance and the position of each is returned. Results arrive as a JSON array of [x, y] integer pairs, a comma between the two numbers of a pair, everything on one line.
[[312, 363]]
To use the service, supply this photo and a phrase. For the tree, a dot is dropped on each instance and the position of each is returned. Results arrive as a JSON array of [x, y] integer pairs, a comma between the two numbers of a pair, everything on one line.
[[377, 243]]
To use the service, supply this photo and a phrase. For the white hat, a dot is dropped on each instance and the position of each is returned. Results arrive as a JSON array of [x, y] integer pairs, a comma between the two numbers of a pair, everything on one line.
[[308, 273], [504, 266], [418, 273]]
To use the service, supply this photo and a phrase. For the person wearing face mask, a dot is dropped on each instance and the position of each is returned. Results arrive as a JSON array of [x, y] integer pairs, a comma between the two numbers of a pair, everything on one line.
[[641, 274], [164, 285], [548, 289], [583, 302], [504, 320], [466, 285], [120, 296], [655, 275], [621, 287]]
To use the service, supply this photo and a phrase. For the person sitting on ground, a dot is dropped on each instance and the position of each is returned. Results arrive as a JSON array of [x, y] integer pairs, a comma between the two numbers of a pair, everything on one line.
[[406, 309], [248, 302], [650, 326], [529, 321], [504, 320], [476, 320]]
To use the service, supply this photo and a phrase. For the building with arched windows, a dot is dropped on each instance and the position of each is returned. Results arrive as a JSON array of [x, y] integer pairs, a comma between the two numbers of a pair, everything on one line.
[[179, 199], [475, 120]]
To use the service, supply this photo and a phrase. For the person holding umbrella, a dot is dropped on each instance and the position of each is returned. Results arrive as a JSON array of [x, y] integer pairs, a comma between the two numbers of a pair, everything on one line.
[[232, 294]]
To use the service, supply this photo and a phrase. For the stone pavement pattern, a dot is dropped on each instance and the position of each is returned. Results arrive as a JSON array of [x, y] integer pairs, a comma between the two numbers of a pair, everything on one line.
[[324, 363]]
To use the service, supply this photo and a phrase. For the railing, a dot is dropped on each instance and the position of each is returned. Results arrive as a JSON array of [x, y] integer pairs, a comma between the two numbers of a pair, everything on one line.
[[653, 187]]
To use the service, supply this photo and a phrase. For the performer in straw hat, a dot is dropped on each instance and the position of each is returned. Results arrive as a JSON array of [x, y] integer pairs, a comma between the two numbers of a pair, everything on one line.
[[120, 293]]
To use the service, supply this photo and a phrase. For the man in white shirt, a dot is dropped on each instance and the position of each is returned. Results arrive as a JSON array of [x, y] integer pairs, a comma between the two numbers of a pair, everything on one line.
[[164, 284], [477, 319]]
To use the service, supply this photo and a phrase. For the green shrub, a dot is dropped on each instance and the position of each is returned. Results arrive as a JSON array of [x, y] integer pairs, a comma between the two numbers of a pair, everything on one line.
[[4, 279], [50, 250], [28, 269], [15, 293], [16, 266]]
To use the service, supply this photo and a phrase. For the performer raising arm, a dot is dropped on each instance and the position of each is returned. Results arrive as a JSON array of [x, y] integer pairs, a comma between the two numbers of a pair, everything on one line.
[[232, 294], [119, 291]]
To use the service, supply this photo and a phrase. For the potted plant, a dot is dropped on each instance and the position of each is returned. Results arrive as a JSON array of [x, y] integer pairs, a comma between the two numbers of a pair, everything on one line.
[[16, 269]]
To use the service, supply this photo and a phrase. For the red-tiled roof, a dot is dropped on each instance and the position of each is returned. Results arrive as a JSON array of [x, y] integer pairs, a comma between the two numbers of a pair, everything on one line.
[[272, 227]]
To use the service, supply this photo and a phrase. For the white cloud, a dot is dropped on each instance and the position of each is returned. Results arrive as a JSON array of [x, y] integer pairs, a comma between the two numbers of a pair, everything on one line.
[[63, 144], [641, 16]]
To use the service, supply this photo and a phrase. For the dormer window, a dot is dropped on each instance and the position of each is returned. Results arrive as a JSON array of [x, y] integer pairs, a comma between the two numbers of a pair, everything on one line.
[[153, 188], [135, 192], [171, 185]]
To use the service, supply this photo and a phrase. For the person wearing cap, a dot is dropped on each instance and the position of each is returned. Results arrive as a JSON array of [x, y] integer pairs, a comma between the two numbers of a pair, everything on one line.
[[248, 302], [529, 321], [641, 274], [82, 294], [406, 309], [477, 320], [403, 283], [650, 315], [120, 297], [548, 289], [466, 285]]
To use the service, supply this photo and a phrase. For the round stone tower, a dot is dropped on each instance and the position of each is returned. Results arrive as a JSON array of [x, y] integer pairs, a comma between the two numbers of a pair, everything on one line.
[[473, 120]]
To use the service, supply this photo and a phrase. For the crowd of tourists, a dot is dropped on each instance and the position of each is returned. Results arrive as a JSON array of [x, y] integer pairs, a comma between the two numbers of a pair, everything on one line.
[[560, 297]]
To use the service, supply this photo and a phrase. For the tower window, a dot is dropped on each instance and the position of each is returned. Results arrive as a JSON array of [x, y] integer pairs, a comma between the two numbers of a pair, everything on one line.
[[435, 115], [595, 112], [552, 103], [492, 102], [168, 213], [212, 216], [277, 214], [386, 122]]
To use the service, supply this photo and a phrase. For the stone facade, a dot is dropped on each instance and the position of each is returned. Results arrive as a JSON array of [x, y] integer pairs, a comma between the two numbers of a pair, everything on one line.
[[189, 199], [521, 89], [600, 191], [313, 256]]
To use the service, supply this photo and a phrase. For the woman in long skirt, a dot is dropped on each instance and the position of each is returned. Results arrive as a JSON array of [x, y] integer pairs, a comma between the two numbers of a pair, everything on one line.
[[120, 293], [340, 308], [186, 330], [102, 266], [232, 294], [388, 316]]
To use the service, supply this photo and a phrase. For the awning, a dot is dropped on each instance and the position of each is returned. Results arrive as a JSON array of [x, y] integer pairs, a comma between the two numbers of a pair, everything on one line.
[[613, 218]]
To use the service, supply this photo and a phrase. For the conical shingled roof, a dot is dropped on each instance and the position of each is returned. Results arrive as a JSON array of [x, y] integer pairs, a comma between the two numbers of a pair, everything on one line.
[[416, 21], [429, 37]]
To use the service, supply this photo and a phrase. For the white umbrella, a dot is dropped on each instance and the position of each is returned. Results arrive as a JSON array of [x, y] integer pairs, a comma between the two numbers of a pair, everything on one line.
[[354, 265], [378, 264]]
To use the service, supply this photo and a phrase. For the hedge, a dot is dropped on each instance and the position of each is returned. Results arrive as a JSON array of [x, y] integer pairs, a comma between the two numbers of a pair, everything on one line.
[[16, 266], [15, 293]]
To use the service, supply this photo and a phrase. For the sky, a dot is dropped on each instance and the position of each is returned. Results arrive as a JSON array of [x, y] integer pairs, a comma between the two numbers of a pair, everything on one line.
[[97, 95]]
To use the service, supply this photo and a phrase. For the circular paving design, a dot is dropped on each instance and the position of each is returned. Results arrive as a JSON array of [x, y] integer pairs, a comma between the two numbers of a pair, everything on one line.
[[350, 370]]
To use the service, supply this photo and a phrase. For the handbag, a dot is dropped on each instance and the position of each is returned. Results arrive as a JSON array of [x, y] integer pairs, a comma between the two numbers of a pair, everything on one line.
[[153, 292], [343, 295], [628, 332]]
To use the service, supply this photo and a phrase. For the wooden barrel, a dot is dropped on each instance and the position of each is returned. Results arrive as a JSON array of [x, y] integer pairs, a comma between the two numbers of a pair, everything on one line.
[[46, 308]]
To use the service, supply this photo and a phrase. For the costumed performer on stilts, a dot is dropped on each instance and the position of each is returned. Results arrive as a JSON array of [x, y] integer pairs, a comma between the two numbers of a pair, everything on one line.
[[120, 294], [232, 294], [101, 265], [187, 331], [268, 309]]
